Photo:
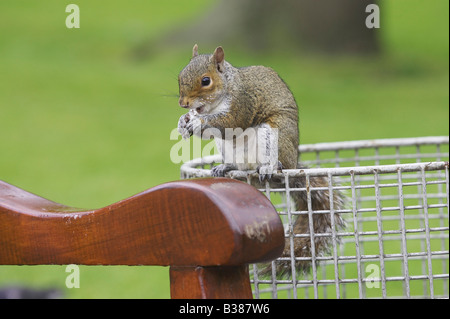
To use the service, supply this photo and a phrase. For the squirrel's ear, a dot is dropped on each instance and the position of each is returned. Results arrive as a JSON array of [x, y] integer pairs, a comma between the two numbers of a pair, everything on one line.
[[195, 51], [218, 58]]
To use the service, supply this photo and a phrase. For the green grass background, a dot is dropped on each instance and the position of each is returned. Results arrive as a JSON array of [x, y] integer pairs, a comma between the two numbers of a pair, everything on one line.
[[85, 125]]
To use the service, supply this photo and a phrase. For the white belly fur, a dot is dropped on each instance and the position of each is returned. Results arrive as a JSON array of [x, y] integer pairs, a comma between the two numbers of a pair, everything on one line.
[[256, 146]]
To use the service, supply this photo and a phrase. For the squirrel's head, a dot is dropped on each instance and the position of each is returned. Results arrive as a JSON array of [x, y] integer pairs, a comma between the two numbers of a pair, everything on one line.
[[202, 82]]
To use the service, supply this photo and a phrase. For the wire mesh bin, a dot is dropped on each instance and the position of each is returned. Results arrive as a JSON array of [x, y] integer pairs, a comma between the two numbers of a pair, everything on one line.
[[396, 240]]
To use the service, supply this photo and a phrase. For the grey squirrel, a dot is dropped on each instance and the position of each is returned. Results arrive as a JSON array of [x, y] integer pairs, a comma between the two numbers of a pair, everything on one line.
[[256, 104]]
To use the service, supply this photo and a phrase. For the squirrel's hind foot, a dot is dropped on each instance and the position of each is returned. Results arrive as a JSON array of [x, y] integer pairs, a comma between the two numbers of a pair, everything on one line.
[[221, 170]]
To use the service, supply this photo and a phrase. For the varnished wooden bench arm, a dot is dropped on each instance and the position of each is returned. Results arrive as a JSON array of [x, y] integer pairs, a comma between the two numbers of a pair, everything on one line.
[[191, 225]]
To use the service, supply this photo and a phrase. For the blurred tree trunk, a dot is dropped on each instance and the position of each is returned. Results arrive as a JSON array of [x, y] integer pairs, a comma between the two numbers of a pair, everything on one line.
[[328, 26], [333, 26], [319, 25]]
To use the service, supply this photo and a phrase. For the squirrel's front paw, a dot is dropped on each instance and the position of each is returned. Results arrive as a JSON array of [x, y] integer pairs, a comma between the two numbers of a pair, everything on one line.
[[188, 124], [182, 126]]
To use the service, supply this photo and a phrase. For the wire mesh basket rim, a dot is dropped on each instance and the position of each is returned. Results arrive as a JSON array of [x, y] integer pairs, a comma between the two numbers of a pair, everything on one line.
[[190, 168], [388, 142]]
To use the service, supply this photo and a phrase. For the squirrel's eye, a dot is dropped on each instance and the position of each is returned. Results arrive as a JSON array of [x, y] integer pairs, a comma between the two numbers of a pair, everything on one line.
[[206, 81]]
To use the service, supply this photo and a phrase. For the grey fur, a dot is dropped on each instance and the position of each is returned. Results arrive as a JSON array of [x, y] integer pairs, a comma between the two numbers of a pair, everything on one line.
[[259, 96]]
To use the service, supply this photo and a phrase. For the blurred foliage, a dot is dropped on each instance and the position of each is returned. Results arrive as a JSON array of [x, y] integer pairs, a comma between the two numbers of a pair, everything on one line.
[[85, 124]]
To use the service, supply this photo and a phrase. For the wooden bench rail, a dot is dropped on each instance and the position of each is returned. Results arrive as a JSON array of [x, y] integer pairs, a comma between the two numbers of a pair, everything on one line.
[[206, 230]]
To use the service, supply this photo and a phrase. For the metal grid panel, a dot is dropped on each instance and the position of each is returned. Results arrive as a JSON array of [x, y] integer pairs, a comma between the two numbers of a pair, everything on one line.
[[395, 244]]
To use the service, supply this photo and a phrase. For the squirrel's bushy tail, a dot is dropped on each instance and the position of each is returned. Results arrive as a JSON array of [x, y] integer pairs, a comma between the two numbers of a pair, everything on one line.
[[319, 207]]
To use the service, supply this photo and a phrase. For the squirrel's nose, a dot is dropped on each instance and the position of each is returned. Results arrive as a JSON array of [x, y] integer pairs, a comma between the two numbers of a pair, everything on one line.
[[183, 104]]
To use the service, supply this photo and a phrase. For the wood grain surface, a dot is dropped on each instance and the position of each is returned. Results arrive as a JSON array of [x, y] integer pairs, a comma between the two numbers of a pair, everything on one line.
[[189, 223]]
